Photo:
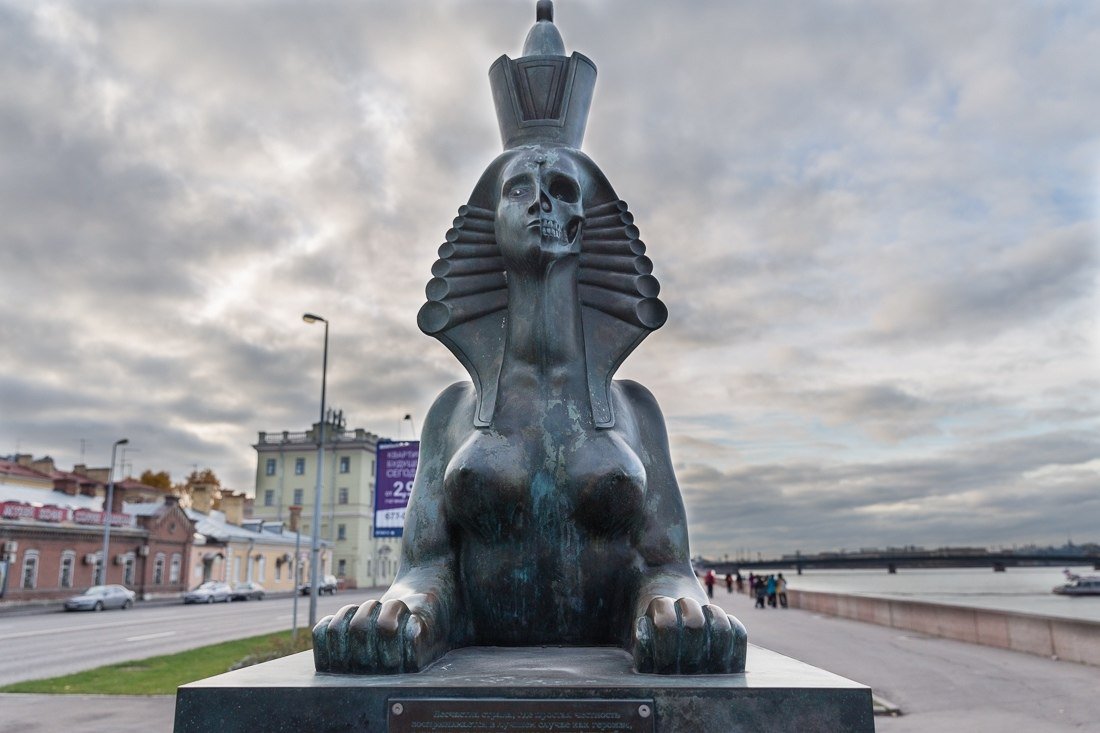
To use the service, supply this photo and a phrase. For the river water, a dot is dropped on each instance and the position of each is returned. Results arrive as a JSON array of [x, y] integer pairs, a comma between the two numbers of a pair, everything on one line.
[[1023, 590]]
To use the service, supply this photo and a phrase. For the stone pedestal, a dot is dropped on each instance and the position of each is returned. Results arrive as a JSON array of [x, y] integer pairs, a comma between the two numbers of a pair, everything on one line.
[[526, 689]]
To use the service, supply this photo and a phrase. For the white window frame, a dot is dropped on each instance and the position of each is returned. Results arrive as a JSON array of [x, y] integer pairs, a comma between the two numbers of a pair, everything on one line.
[[129, 568], [30, 559], [70, 556], [158, 569], [175, 569]]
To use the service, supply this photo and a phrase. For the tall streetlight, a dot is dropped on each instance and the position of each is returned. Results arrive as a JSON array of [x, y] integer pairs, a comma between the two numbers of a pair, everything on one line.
[[107, 513], [315, 543]]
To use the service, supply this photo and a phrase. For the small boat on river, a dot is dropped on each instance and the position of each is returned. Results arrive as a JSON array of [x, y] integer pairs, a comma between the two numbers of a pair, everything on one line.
[[1079, 585]]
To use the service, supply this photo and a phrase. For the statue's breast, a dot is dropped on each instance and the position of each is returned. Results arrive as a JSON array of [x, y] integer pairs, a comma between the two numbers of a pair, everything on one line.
[[502, 485]]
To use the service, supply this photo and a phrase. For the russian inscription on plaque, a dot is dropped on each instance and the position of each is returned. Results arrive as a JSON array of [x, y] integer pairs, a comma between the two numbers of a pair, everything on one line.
[[455, 715]]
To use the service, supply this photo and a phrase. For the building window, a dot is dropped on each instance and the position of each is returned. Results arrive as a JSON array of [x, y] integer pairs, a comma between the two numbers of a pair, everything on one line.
[[261, 568], [341, 531], [298, 496], [30, 570], [372, 468], [299, 466], [341, 568], [174, 569], [128, 570], [269, 497], [342, 496], [158, 569], [278, 570], [345, 464], [65, 573], [269, 469]]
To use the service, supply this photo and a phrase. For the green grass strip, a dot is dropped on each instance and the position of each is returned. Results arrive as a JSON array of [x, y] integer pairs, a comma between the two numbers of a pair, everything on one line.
[[162, 675]]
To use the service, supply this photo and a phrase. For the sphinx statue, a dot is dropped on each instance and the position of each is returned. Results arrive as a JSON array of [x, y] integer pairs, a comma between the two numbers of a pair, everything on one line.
[[545, 510]]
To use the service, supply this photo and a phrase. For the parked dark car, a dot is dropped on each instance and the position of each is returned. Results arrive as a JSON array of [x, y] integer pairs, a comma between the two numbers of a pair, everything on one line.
[[209, 592], [327, 585], [247, 592], [99, 597]]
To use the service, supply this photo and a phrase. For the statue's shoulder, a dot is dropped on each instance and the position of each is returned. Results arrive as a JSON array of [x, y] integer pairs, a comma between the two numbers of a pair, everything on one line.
[[636, 398], [459, 399]]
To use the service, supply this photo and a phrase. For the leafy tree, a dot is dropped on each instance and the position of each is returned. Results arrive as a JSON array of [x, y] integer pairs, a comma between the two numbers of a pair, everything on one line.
[[205, 476], [160, 479]]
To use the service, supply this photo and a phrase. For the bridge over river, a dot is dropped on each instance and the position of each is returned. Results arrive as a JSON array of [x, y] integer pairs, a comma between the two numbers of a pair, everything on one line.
[[997, 561]]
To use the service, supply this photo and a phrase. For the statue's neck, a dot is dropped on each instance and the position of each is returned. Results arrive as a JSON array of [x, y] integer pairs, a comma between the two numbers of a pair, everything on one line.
[[545, 337]]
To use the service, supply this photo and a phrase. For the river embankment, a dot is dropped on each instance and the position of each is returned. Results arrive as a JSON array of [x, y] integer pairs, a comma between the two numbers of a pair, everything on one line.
[[1047, 636]]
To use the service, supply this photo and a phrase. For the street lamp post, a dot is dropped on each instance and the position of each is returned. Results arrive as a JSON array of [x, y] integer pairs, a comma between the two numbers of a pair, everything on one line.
[[315, 542], [107, 513]]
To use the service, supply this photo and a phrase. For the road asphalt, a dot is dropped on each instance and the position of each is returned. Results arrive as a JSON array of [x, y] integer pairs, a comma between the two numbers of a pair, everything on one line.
[[940, 685]]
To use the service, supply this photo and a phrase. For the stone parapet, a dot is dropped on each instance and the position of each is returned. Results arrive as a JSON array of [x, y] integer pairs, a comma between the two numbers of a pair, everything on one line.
[[1048, 636]]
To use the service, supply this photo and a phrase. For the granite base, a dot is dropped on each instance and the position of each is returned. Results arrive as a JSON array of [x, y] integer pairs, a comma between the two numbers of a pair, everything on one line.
[[777, 693]]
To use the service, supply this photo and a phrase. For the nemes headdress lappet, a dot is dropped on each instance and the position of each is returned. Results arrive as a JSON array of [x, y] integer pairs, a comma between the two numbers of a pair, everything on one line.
[[542, 99]]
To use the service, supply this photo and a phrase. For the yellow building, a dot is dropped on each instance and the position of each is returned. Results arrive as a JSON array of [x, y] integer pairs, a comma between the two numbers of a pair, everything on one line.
[[254, 551], [286, 476]]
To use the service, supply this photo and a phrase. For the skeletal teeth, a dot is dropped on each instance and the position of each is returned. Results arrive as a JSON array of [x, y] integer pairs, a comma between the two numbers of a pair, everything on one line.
[[550, 229]]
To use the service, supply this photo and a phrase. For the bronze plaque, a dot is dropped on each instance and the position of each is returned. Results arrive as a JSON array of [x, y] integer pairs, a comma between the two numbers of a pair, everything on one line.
[[454, 715]]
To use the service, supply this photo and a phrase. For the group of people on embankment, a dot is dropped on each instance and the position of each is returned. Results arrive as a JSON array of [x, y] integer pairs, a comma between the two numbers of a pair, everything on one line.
[[769, 590]]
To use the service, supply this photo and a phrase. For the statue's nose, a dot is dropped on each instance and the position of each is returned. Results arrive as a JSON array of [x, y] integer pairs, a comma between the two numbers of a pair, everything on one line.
[[543, 203]]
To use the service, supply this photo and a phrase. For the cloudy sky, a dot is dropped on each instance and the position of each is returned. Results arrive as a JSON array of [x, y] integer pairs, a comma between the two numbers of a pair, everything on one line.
[[875, 224]]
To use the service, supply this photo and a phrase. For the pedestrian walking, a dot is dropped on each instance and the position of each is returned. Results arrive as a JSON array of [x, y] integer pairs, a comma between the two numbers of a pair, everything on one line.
[[770, 590], [781, 590], [709, 580], [729, 583], [760, 590], [740, 582]]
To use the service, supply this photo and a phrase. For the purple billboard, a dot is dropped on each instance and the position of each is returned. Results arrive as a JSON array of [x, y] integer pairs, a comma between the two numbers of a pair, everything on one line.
[[396, 469]]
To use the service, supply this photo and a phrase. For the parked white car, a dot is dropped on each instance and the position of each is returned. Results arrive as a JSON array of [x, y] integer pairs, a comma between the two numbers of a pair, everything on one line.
[[328, 584], [99, 597], [212, 591]]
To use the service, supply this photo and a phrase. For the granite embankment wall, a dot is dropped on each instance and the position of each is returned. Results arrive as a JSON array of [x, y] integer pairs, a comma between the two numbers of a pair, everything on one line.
[[1075, 641]]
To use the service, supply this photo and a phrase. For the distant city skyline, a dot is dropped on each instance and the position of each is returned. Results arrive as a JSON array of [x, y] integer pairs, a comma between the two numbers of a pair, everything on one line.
[[875, 226]]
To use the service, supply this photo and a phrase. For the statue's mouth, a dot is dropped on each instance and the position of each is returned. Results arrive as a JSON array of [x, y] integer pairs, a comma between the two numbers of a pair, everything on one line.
[[554, 231], [550, 230]]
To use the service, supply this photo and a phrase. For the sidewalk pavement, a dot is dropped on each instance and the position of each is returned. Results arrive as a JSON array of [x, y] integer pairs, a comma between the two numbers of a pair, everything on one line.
[[86, 713], [940, 685]]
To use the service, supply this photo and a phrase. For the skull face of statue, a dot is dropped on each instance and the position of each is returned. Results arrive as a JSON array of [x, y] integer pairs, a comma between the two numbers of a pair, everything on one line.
[[540, 213]]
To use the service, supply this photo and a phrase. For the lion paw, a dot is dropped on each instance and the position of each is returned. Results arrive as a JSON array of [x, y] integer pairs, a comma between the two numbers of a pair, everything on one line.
[[374, 638], [684, 637]]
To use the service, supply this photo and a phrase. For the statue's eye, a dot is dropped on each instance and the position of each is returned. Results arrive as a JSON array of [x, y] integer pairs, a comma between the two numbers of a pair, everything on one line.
[[517, 192], [564, 190]]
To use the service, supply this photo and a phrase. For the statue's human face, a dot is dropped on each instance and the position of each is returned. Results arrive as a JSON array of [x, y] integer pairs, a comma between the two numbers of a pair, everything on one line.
[[540, 214]]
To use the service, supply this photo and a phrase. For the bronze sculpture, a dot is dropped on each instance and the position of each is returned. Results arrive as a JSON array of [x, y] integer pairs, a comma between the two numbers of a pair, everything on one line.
[[545, 509]]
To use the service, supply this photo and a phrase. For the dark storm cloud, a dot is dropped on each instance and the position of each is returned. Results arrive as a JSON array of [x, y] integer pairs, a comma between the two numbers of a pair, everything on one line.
[[875, 227]]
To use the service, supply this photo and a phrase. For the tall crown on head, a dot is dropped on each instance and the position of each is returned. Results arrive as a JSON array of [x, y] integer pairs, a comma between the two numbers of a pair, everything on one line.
[[543, 96]]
